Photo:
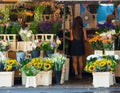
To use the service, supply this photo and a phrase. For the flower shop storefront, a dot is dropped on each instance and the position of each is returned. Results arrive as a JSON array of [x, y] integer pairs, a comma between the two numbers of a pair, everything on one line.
[[29, 46]]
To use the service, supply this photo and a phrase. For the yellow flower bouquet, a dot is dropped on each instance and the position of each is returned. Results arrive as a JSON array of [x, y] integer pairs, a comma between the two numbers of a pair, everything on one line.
[[99, 63], [36, 65], [9, 65]]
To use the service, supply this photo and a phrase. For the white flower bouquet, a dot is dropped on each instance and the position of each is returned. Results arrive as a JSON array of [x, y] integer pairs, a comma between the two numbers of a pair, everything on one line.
[[4, 45], [59, 60], [25, 34]]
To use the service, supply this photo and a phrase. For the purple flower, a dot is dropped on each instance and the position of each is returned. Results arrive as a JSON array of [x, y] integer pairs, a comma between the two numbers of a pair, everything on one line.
[[45, 27], [106, 25]]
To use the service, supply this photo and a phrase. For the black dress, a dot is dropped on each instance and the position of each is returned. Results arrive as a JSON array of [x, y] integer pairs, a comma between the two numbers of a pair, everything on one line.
[[77, 47]]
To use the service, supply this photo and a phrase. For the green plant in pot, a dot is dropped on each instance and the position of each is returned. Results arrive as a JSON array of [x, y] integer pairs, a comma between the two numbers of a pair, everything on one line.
[[48, 47]]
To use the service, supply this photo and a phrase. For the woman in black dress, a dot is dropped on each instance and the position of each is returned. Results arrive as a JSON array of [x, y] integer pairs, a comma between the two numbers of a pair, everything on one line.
[[77, 37]]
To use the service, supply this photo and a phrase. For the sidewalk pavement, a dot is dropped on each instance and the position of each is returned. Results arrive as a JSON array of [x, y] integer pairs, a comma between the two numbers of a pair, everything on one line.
[[72, 86]]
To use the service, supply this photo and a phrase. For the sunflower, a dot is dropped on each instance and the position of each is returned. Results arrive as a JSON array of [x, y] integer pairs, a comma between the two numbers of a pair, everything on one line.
[[91, 68], [35, 64], [102, 63], [8, 68], [112, 69], [86, 68], [109, 62], [47, 66], [39, 65]]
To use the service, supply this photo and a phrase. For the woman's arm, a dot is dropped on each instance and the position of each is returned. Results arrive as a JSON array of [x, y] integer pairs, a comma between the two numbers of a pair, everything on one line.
[[85, 34], [71, 36]]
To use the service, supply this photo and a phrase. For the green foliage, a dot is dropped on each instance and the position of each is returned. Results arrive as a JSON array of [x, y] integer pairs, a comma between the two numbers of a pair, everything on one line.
[[14, 28], [24, 62], [38, 12], [30, 70], [2, 30], [34, 27]]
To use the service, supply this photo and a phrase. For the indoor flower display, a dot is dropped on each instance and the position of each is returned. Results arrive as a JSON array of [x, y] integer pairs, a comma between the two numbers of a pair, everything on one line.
[[96, 43], [25, 34], [9, 65], [101, 63]]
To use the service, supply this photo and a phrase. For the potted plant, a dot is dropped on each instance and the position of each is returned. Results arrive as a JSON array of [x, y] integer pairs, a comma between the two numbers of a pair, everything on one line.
[[7, 69], [4, 47], [102, 68], [41, 69], [96, 44], [45, 75], [35, 46], [59, 60], [48, 47], [22, 64], [31, 70]]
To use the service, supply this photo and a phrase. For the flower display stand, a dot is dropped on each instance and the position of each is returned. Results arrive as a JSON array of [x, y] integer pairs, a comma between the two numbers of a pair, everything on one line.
[[6, 79], [63, 74], [106, 52], [23, 78], [31, 81], [44, 78], [112, 52], [100, 52], [67, 65], [103, 79], [24, 46]]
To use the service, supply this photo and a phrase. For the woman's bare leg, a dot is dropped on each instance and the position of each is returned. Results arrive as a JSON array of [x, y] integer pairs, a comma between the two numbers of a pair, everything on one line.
[[75, 64], [81, 66]]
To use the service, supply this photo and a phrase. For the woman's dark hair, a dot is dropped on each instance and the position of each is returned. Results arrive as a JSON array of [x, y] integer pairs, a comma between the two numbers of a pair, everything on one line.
[[77, 28]]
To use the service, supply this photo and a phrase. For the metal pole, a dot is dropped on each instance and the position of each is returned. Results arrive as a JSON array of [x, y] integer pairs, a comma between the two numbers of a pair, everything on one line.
[[64, 27]]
